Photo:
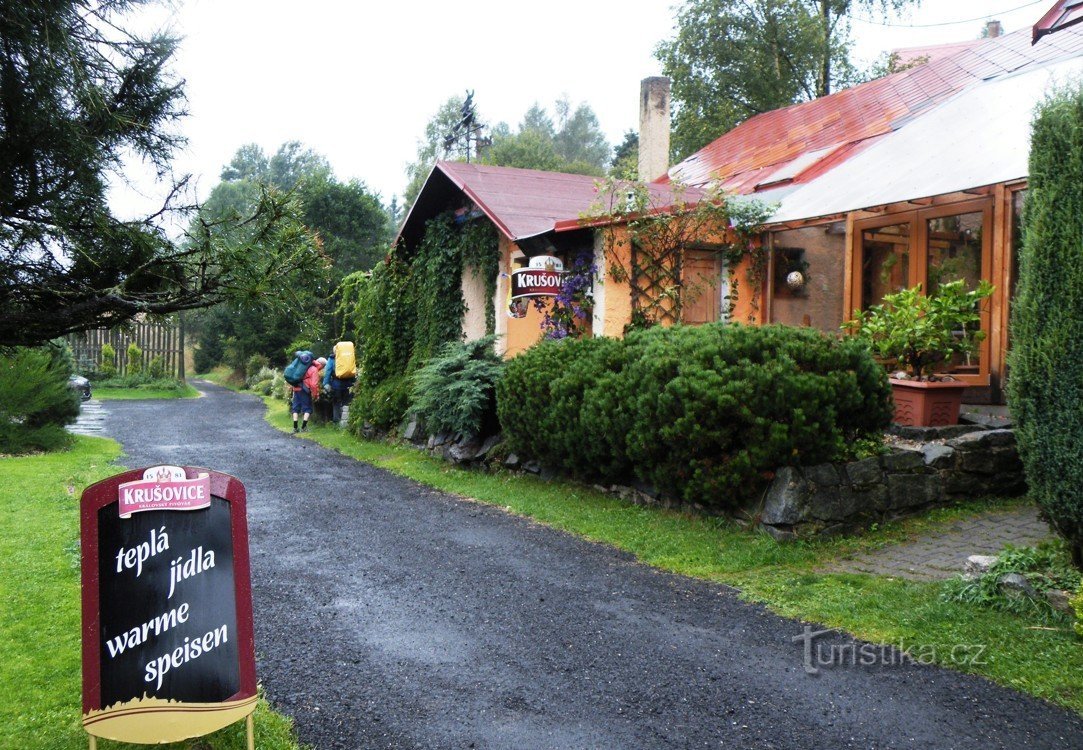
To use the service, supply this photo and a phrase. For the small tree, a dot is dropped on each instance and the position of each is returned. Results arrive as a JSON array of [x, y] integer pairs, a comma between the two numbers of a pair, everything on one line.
[[1045, 388], [135, 360], [35, 400], [108, 366]]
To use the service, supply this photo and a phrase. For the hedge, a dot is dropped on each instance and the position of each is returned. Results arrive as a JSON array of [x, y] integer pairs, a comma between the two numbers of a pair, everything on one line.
[[1045, 385], [701, 413]]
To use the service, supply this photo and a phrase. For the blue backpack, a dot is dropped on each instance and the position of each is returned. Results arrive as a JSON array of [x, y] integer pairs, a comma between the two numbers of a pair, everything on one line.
[[295, 370]]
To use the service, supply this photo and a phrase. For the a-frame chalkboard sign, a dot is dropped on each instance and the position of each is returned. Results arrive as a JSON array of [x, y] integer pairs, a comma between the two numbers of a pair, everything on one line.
[[168, 648]]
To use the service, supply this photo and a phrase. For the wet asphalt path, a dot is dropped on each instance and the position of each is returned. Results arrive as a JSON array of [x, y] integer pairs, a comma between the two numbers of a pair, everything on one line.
[[389, 615]]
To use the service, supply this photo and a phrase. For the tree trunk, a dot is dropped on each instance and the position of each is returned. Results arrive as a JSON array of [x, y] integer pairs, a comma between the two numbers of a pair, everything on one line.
[[824, 86]]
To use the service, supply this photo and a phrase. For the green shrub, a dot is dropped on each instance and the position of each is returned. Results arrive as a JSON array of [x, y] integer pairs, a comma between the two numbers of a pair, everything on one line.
[[702, 413], [1077, 607], [382, 407], [35, 400], [1047, 567], [108, 366], [156, 369], [545, 411], [454, 392], [135, 360], [254, 364], [259, 376], [208, 353], [1045, 387]]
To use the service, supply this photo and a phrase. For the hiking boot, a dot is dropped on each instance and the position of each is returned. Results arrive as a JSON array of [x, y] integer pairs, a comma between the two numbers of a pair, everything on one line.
[[296, 430], [304, 428]]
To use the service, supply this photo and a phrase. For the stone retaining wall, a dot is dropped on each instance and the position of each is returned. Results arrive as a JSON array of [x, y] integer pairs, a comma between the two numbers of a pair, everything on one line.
[[840, 498]]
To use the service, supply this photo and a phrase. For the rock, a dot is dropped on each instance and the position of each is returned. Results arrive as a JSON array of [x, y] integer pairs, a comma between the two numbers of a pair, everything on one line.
[[823, 475], [864, 472], [830, 503], [978, 564], [532, 466], [983, 440], [991, 421], [547, 474], [645, 489], [912, 490], [925, 434], [512, 461], [463, 451], [411, 431], [939, 456], [902, 460], [1059, 600], [1014, 584], [786, 501], [490, 442], [442, 439]]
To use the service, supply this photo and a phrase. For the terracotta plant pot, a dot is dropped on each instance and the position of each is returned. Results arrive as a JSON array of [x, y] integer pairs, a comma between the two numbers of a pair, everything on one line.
[[923, 404]]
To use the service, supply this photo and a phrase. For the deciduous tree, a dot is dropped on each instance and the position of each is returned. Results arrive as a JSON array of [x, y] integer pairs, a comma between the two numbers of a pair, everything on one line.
[[732, 59]]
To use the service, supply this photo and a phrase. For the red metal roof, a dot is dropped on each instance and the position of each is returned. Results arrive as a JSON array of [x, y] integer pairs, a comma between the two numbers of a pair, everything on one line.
[[522, 202], [843, 123], [928, 53]]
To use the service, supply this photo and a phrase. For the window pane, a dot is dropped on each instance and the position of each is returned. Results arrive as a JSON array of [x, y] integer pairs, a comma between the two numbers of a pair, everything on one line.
[[954, 254], [955, 250], [885, 265]]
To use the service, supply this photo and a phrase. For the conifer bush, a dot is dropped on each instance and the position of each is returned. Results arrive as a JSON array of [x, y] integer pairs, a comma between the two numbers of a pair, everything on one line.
[[455, 391], [35, 400], [1045, 386], [702, 413]]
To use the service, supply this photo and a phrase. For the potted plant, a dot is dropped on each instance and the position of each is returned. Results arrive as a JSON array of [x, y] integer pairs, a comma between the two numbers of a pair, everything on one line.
[[918, 335]]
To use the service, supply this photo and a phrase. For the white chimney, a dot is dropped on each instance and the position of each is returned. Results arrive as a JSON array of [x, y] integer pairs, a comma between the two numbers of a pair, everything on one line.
[[993, 29], [653, 128]]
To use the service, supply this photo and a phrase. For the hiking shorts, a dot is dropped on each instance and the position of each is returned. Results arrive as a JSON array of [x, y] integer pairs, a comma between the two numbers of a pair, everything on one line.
[[302, 402]]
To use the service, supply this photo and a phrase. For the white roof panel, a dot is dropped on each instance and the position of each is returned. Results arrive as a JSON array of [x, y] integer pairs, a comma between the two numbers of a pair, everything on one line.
[[979, 137]]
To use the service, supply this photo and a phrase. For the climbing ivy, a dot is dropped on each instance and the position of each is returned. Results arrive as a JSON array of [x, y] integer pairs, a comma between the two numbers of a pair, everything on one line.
[[646, 242], [481, 253], [410, 305]]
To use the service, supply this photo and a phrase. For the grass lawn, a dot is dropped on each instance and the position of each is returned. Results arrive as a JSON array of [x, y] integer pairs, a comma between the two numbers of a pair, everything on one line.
[[223, 376], [40, 677], [131, 394], [784, 576]]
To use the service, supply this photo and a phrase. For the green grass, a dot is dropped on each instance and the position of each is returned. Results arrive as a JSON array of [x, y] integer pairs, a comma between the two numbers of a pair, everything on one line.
[[225, 377], [40, 662], [132, 394], [787, 577]]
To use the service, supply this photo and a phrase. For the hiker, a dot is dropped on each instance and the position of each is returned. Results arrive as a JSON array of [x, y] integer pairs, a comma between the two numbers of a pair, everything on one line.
[[339, 376], [305, 394]]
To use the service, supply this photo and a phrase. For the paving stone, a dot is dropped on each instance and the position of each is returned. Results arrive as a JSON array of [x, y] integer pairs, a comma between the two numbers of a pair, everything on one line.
[[943, 553]]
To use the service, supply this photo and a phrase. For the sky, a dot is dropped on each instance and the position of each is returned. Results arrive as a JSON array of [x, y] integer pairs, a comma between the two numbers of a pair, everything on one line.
[[358, 81]]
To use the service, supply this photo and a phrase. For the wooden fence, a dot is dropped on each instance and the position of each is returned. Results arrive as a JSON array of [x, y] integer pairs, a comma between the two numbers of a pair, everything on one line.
[[157, 339]]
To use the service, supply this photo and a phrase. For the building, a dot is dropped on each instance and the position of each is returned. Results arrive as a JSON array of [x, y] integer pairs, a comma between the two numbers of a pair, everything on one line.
[[917, 177]]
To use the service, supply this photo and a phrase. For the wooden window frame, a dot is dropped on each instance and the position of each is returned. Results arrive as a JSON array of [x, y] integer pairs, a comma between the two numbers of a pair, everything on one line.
[[919, 258]]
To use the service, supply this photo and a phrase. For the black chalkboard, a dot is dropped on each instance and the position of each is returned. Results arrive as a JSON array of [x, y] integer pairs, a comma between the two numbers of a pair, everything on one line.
[[168, 618]]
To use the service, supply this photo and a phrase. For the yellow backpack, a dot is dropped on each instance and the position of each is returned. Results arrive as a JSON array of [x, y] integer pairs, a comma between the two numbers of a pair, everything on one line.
[[345, 362]]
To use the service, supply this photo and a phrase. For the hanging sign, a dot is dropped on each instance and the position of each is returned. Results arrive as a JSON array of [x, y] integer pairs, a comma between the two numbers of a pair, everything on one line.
[[543, 278], [168, 647]]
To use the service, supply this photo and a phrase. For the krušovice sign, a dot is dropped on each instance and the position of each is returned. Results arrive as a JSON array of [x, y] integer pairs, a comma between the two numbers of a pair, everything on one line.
[[168, 648], [543, 278]]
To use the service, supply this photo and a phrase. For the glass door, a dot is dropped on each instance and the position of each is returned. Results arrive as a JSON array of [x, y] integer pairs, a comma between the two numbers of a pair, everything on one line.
[[930, 246]]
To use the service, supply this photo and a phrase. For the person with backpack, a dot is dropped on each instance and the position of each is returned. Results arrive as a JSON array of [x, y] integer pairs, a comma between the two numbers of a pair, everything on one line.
[[339, 376], [306, 392]]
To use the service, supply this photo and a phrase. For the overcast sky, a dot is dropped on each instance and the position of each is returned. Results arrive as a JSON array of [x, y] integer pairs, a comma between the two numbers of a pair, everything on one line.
[[358, 81]]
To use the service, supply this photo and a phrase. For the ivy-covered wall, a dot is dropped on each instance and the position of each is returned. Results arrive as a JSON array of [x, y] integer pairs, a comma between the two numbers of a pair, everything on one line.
[[411, 304]]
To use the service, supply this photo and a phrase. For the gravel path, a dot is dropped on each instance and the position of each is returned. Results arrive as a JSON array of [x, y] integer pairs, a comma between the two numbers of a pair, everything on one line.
[[389, 615]]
